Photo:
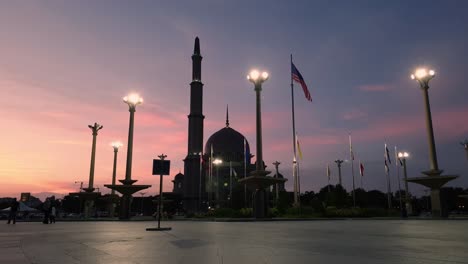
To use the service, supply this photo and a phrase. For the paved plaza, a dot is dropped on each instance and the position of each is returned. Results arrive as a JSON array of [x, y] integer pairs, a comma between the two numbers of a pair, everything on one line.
[[321, 241]]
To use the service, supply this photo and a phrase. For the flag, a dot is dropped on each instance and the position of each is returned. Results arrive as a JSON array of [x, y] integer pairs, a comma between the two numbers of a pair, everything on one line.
[[233, 171], [351, 148], [386, 167], [387, 155], [401, 162], [296, 76], [328, 171], [298, 148], [361, 169]]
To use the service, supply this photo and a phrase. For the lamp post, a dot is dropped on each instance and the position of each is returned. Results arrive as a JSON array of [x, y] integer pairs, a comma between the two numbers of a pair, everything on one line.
[[128, 188], [465, 146], [95, 128], [402, 156], [115, 145], [338, 163], [258, 180], [217, 163], [433, 179], [276, 164], [257, 79], [423, 76], [132, 101]]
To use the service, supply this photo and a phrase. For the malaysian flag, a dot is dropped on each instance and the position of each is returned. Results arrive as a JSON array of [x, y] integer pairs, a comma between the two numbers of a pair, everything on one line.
[[361, 169], [296, 76]]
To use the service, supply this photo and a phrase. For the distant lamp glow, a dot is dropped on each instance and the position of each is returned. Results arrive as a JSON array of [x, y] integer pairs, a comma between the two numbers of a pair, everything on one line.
[[257, 78], [133, 100], [403, 154], [217, 161], [116, 145], [423, 76]]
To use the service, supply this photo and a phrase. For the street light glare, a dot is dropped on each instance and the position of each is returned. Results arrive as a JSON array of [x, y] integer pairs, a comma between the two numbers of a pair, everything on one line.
[[217, 161], [265, 75], [422, 73], [133, 99], [116, 144], [254, 74]]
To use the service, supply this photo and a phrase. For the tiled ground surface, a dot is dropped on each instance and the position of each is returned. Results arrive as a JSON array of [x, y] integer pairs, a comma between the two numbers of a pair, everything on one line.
[[340, 241]]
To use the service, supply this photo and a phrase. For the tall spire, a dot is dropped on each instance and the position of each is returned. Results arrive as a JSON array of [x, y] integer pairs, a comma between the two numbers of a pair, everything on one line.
[[227, 115], [196, 49], [196, 61]]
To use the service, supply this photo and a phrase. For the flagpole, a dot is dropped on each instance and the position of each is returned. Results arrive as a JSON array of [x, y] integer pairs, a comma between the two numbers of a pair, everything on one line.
[[389, 190], [352, 168], [295, 178], [398, 176]]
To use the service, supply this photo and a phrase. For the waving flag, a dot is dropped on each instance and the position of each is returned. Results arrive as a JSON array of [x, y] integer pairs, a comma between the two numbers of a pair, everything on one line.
[[386, 167], [296, 76], [387, 155], [328, 171], [361, 169], [298, 147]]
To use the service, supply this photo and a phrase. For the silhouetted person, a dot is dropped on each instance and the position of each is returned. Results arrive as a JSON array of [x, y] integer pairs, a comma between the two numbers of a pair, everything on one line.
[[13, 211], [46, 207], [53, 213]]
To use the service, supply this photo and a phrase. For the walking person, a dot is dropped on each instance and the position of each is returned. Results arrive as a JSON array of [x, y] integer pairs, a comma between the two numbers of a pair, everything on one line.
[[46, 209], [53, 213], [13, 210]]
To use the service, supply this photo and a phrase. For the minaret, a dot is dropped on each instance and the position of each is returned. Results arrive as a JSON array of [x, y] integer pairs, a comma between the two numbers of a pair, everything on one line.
[[193, 185]]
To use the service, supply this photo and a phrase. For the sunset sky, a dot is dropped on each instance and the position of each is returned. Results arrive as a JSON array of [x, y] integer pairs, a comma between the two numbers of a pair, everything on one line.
[[67, 64]]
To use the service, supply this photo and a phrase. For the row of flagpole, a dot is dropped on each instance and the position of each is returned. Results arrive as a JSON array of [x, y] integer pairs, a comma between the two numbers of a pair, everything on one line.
[[297, 77], [387, 161]]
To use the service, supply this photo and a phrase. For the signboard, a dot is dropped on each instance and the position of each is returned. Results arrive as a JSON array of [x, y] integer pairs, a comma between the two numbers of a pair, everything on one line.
[[161, 167]]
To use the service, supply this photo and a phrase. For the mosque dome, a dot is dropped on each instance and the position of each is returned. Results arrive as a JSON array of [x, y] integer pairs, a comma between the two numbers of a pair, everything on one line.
[[228, 144]]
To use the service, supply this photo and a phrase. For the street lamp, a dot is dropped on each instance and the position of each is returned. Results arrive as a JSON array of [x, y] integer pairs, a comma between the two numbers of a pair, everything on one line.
[[257, 79], [423, 76], [434, 180], [116, 145], [217, 163], [402, 156], [132, 100]]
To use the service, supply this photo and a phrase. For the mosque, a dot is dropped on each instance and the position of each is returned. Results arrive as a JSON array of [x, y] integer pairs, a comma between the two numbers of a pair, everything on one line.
[[211, 174]]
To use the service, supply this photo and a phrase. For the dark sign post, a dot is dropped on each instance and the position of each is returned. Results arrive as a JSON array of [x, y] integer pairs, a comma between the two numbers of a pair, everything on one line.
[[160, 167]]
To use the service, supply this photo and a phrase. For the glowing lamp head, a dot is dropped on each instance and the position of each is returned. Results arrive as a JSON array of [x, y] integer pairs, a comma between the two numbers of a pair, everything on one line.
[[217, 161], [403, 154], [256, 77], [116, 144], [133, 99], [423, 76]]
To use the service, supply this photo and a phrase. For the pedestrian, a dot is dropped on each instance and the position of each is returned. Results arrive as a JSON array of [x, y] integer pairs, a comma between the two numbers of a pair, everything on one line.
[[46, 209], [53, 212], [13, 210]]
